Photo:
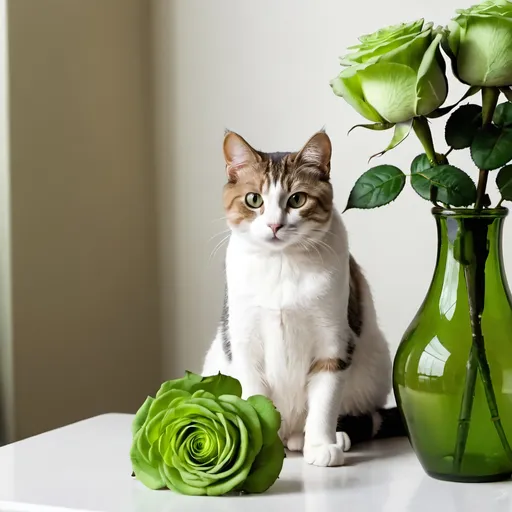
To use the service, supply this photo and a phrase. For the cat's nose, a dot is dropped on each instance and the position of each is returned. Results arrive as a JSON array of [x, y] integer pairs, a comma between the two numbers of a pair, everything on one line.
[[275, 227]]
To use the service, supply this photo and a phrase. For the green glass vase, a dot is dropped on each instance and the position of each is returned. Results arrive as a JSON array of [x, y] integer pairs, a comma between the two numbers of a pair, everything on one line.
[[452, 374]]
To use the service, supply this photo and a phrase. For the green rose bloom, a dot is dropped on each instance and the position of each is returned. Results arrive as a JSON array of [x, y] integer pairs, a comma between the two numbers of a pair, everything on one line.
[[394, 74], [199, 437], [479, 44]]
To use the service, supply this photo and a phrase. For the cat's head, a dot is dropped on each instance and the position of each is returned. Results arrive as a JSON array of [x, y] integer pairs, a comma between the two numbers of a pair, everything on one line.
[[278, 200]]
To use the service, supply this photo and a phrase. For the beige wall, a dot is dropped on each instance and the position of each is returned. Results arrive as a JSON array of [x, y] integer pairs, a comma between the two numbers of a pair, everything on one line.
[[84, 296], [6, 367], [262, 68]]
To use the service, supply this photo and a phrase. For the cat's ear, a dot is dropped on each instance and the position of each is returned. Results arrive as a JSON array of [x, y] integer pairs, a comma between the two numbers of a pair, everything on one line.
[[238, 154], [317, 152]]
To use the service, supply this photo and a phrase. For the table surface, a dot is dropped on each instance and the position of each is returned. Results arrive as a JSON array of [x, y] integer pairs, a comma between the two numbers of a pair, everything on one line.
[[86, 467]]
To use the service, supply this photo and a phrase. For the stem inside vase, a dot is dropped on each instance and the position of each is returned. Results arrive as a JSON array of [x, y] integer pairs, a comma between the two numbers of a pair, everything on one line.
[[473, 236]]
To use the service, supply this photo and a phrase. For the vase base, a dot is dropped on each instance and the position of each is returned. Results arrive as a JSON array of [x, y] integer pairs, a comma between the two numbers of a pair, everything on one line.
[[468, 479]]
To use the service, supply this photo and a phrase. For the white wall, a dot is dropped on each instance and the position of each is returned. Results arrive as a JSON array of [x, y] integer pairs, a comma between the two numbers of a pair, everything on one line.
[[262, 68]]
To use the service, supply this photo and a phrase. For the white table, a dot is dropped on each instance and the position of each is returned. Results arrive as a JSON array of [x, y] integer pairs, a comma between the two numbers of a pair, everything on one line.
[[86, 467]]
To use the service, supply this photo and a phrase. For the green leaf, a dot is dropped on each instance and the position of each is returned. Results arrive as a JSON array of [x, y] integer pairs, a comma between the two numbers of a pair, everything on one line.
[[141, 415], [420, 163], [376, 187], [445, 110], [266, 468], [504, 182], [401, 132], [373, 126], [503, 114], [454, 187], [215, 384], [462, 126], [492, 147], [269, 416]]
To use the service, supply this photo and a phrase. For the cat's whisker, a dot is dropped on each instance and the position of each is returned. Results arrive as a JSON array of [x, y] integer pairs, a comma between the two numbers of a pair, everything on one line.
[[330, 233], [220, 219], [306, 249], [308, 241], [218, 247], [221, 233], [329, 249]]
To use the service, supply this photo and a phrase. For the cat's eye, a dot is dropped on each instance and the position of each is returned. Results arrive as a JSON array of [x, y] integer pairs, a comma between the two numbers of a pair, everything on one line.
[[253, 200], [297, 200]]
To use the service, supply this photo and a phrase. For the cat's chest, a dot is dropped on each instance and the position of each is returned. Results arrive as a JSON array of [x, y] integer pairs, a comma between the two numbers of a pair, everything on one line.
[[278, 282]]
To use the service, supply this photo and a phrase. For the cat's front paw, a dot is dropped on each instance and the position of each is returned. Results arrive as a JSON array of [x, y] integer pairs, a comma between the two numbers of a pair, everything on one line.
[[295, 443], [343, 440], [324, 455]]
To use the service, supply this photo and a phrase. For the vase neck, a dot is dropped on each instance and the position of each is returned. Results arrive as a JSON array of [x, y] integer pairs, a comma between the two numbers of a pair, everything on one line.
[[469, 240]]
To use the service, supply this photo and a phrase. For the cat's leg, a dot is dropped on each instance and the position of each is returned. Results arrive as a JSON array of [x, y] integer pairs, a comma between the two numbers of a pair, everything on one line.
[[247, 369], [295, 423], [247, 355], [216, 360], [239, 336], [239, 359], [295, 443], [321, 445]]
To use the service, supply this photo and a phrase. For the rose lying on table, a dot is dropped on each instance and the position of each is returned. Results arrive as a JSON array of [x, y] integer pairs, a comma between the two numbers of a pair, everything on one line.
[[199, 437]]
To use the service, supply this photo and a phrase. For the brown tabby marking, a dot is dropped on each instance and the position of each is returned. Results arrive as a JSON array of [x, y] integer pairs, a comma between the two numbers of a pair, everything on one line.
[[327, 365], [355, 308], [250, 179]]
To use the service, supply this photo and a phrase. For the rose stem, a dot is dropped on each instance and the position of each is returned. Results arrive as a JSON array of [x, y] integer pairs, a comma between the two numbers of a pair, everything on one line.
[[422, 131], [466, 406], [474, 274], [490, 97]]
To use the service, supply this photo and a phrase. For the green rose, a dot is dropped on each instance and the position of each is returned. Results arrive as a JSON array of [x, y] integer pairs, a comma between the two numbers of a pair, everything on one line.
[[479, 44], [198, 437], [394, 74]]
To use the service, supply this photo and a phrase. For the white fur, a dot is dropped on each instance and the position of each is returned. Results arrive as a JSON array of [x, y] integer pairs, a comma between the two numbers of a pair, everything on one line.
[[288, 303]]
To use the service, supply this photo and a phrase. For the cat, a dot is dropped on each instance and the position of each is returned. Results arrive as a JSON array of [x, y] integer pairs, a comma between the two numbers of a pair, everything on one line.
[[299, 324]]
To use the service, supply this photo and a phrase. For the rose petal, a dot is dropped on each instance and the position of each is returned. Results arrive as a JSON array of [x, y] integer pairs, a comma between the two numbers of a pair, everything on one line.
[[431, 86], [266, 467], [485, 52], [348, 86], [141, 415], [391, 89], [175, 482], [248, 415], [144, 471]]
